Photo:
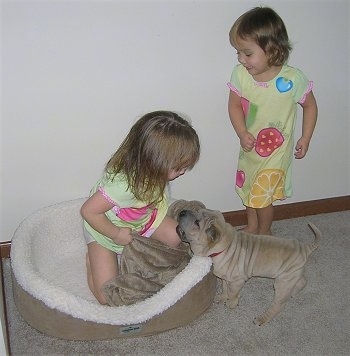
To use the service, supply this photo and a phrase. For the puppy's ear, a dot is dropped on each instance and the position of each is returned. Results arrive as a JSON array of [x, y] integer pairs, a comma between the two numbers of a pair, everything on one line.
[[175, 208], [212, 233]]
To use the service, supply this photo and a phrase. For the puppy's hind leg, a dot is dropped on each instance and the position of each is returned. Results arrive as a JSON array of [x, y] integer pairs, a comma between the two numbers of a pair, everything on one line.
[[284, 287], [299, 286]]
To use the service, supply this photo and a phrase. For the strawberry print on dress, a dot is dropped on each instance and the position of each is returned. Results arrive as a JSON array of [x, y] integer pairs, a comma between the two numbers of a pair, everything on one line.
[[268, 140]]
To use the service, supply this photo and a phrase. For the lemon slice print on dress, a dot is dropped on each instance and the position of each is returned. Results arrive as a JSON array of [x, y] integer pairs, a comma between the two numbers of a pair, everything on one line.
[[267, 187]]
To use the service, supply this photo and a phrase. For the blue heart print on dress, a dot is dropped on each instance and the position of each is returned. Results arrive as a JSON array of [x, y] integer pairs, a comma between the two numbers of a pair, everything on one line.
[[283, 84]]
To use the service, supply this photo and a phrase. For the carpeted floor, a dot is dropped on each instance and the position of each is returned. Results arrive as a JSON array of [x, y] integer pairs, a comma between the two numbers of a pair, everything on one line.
[[316, 322]]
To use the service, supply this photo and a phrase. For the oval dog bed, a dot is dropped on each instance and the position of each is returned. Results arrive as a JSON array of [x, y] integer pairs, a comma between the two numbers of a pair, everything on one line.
[[51, 293]]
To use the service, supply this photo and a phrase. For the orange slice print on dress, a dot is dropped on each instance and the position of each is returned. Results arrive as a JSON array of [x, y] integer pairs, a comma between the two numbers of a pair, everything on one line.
[[268, 187]]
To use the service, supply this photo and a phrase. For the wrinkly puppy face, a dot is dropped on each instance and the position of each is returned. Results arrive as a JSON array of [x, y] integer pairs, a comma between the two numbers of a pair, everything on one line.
[[202, 229]]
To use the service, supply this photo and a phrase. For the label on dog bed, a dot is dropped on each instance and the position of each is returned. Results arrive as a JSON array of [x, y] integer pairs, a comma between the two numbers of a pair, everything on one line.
[[130, 329]]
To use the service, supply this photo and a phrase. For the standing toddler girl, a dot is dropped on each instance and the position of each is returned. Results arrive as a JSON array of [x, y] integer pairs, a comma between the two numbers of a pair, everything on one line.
[[132, 194], [264, 93]]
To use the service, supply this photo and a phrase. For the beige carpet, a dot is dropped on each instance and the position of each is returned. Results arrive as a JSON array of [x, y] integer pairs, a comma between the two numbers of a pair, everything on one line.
[[316, 322]]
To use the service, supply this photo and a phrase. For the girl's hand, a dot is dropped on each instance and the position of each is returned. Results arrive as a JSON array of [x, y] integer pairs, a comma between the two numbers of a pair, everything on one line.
[[247, 141], [301, 148], [124, 236]]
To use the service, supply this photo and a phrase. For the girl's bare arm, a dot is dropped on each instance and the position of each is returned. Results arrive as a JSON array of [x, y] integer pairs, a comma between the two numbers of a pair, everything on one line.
[[93, 212], [247, 140], [309, 122]]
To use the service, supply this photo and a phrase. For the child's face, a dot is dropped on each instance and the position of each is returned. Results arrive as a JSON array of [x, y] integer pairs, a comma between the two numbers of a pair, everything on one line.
[[253, 58], [174, 173]]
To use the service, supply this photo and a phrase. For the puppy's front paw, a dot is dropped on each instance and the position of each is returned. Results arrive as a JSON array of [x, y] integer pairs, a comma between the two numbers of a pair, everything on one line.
[[220, 298], [232, 303], [258, 321]]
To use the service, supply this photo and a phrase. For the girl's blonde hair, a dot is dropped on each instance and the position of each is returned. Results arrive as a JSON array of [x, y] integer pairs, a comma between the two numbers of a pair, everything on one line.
[[158, 142], [264, 26]]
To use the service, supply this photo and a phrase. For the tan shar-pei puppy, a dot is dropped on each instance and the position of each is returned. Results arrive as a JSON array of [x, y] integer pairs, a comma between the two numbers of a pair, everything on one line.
[[238, 256]]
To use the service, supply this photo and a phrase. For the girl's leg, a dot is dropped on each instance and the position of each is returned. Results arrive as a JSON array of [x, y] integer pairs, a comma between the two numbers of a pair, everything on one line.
[[265, 218], [252, 218], [102, 266], [166, 232]]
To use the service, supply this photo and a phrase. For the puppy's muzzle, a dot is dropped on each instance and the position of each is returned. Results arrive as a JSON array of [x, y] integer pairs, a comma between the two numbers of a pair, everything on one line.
[[186, 219], [181, 233]]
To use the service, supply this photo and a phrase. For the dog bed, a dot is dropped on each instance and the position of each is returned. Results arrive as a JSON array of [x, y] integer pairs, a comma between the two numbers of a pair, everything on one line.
[[51, 293]]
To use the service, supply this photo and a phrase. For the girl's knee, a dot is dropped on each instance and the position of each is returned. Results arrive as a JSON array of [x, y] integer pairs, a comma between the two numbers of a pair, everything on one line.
[[166, 233]]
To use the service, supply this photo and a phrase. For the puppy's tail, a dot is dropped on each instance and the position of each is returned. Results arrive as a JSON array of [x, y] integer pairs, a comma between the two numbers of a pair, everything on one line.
[[314, 244]]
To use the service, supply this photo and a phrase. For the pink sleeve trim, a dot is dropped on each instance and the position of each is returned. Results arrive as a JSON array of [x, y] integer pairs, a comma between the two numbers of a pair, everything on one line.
[[235, 90], [116, 207], [309, 88]]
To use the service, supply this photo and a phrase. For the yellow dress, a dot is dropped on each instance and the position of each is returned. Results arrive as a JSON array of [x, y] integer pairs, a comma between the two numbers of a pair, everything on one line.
[[270, 108]]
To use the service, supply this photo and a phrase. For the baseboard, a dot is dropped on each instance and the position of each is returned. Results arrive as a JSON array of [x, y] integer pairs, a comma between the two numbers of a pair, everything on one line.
[[5, 248], [296, 210], [282, 212]]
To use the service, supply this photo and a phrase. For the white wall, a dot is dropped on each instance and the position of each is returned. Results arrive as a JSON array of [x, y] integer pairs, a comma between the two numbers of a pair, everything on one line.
[[76, 75]]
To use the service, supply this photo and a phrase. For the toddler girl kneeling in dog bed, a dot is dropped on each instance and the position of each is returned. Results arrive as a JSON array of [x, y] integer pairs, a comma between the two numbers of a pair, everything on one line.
[[131, 196]]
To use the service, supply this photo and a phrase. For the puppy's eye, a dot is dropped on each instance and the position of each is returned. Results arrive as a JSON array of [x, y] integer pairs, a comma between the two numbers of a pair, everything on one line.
[[196, 222]]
